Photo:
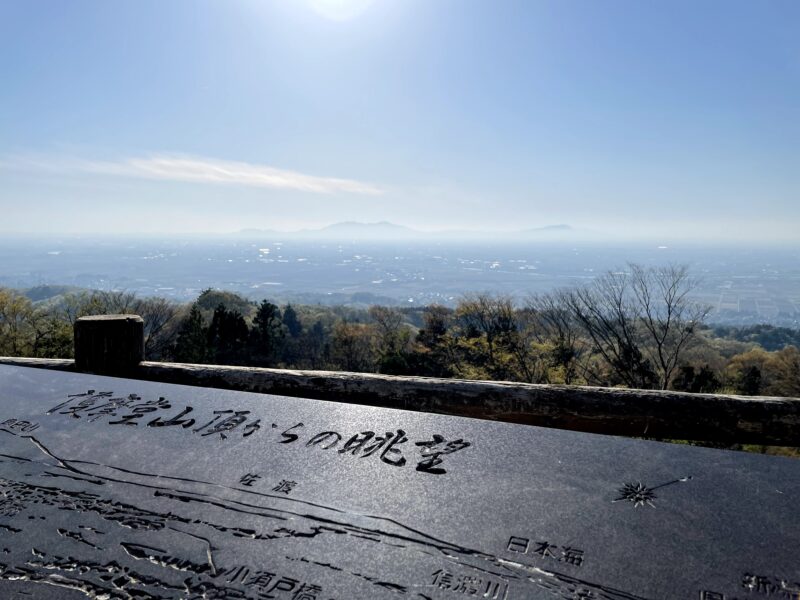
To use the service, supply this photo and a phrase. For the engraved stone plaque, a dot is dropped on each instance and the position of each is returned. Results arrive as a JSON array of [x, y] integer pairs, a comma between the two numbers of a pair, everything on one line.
[[114, 488]]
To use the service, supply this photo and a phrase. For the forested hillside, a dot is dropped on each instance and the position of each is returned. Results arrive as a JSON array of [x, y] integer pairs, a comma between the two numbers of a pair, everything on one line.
[[636, 329]]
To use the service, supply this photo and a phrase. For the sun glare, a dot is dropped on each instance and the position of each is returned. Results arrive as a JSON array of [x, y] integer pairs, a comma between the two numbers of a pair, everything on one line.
[[340, 10]]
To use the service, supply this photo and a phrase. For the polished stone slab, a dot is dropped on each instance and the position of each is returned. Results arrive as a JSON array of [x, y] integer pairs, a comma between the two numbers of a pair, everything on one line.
[[114, 488]]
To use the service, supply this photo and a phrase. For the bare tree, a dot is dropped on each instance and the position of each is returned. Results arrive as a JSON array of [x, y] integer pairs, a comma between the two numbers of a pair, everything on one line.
[[119, 302], [607, 317], [488, 315], [554, 323], [436, 343], [353, 347], [507, 334], [391, 329], [667, 314], [530, 362], [437, 321], [52, 335], [85, 304], [16, 312], [158, 314], [640, 321], [160, 324]]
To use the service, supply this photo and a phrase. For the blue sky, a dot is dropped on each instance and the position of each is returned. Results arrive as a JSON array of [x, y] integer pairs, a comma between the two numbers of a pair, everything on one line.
[[669, 119]]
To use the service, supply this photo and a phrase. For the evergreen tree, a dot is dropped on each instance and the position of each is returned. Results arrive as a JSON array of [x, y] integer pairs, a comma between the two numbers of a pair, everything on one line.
[[696, 382], [266, 335], [316, 346], [750, 383], [227, 337], [191, 345], [292, 323]]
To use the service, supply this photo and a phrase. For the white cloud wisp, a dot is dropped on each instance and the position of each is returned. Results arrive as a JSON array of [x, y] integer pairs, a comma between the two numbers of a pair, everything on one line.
[[194, 169]]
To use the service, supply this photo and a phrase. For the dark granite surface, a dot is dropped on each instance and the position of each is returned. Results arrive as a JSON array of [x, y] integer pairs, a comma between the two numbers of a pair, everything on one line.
[[113, 488]]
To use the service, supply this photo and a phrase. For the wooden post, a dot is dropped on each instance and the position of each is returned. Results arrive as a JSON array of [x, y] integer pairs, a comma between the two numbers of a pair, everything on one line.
[[109, 344]]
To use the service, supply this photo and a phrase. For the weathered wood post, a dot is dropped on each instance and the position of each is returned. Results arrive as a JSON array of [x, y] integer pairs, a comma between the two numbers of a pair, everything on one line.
[[109, 344]]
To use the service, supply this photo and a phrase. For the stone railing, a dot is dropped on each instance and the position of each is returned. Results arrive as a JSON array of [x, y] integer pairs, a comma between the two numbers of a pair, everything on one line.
[[113, 345]]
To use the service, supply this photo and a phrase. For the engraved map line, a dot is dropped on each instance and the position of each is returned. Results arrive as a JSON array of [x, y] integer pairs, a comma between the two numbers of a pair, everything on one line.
[[440, 545], [172, 493], [443, 547]]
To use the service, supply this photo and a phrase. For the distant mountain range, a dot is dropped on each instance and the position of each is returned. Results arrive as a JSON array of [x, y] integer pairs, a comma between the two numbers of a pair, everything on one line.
[[384, 230]]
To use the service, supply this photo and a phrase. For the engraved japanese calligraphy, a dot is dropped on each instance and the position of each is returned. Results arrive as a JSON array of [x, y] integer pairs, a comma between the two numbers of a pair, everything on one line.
[[129, 410]]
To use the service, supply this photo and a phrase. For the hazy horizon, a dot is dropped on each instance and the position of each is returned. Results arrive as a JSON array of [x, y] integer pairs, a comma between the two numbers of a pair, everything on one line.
[[639, 121], [524, 236]]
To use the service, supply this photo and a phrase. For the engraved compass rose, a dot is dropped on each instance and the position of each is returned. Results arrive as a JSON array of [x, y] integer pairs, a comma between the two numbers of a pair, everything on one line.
[[640, 494]]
